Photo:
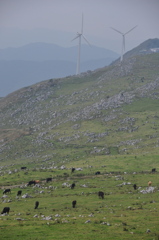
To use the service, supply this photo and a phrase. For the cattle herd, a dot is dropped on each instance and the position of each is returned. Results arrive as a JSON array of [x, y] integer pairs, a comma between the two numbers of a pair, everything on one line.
[[33, 182]]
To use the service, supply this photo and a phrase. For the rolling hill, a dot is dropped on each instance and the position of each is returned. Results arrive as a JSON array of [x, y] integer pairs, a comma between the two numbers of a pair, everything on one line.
[[112, 110]]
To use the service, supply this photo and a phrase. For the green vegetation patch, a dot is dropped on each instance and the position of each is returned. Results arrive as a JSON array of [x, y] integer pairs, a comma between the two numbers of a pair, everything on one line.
[[142, 105]]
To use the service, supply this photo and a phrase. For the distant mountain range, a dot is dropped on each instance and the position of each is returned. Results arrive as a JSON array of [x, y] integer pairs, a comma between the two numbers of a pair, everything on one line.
[[23, 66]]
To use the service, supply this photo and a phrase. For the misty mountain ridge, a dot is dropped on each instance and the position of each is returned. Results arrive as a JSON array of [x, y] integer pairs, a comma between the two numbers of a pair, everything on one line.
[[35, 62], [47, 51]]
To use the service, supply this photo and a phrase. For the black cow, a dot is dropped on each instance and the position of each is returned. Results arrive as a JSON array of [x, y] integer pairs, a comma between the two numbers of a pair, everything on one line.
[[135, 186], [5, 210], [23, 168], [73, 185], [101, 194], [7, 191], [48, 180], [73, 169], [97, 173], [31, 182], [36, 204], [19, 193], [74, 203], [153, 170]]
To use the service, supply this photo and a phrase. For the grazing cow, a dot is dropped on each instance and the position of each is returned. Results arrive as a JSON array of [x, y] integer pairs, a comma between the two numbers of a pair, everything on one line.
[[97, 173], [72, 170], [73, 185], [19, 193], [5, 210], [31, 182], [135, 186], [37, 181], [101, 194], [74, 203], [7, 191], [48, 179], [23, 168], [153, 170], [36, 205], [149, 183]]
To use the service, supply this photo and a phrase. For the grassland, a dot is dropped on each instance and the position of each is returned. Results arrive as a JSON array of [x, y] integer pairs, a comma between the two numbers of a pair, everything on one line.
[[124, 212]]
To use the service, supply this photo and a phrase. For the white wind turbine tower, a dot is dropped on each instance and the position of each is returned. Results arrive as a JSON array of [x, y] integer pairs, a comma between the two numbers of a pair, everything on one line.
[[80, 35], [123, 41]]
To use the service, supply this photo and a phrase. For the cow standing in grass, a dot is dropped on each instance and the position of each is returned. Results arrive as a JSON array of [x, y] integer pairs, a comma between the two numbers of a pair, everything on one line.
[[74, 203], [19, 193], [135, 186], [101, 194], [7, 191], [5, 210], [36, 205], [149, 183], [48, 179], [73, 185], [37, 181], [23, 168], [72, 170], [31, 182]]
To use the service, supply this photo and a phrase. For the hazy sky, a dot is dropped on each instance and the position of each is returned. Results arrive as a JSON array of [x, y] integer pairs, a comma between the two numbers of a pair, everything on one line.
[[57, 21]]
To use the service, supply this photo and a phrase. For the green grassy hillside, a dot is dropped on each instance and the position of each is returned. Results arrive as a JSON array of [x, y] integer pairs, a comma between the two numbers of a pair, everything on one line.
[[106, 121], [113, 109]]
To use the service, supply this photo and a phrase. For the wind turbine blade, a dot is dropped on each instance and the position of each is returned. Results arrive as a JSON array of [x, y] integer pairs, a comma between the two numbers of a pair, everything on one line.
[[74, 38], [86, 40], [130, 30], [78, 35], [82, 24], [117, 30]]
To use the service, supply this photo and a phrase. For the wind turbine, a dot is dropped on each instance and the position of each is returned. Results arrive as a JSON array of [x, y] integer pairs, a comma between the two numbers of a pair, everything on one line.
[[79, 36], [123, 41]]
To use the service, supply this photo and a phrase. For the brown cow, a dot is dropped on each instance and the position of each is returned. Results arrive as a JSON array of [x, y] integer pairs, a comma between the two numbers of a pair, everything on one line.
[[149, 183], [37, 181]]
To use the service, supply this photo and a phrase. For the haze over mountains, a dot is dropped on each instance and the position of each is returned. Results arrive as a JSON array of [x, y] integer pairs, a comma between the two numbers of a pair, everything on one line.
[[35, 62]]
